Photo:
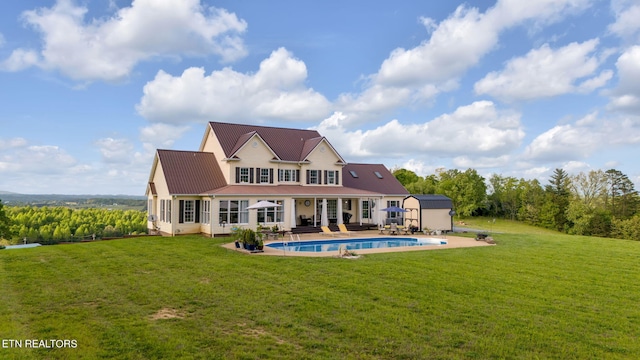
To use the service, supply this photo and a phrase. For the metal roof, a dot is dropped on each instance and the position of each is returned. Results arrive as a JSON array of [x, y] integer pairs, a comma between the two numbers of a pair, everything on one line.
[[433, 201], [367, 179], [190, 172], [287, 144]]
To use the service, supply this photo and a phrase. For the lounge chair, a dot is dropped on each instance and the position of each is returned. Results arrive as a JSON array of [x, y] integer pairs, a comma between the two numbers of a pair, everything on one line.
[[327, 231], [343, 230]]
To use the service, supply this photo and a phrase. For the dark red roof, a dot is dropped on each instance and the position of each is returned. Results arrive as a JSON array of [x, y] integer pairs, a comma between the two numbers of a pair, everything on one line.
[[290, 190], [288, 144], [367, 179], [190, 172]]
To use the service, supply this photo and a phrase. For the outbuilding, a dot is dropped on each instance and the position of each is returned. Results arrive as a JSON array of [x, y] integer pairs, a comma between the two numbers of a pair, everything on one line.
[[434, 212]]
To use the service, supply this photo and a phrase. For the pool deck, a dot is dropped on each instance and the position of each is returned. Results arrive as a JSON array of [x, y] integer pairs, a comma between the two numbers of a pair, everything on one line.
[[452, 242]]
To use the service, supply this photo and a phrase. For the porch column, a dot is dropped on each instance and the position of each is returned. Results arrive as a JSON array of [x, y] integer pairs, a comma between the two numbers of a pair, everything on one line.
[[324, 220], [292, 218], [339, 211]]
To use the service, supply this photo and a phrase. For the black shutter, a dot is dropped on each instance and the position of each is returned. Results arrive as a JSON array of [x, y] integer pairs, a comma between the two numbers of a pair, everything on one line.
[[258, 180], [181, 212], [337, 177], [270, 176], [298, 175], [237, 175], [308, 177], [197, 211], [325, 177], [251, 175], [319, 176]]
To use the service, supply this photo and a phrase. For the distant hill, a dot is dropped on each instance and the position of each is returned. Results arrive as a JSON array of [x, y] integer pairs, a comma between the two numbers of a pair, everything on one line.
[[75, 201]]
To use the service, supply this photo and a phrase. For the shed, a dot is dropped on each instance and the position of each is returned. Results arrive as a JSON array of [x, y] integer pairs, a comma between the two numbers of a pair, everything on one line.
[[429, 211]]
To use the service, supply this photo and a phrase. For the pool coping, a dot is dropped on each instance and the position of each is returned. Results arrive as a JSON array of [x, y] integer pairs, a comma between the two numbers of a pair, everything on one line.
[[452, 243]]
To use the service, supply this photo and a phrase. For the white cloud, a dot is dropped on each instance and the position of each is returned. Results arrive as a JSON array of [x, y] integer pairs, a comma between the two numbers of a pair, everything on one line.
[[12, 143], [162, 135], [583, 138], [459, 41], [455, 44], [575, 167], [276, 91], [545, 72], [478, 129], [37, 160], [481, 162], [626, 96], [115, 150], [40, 168], [627, 14], [109, 49]]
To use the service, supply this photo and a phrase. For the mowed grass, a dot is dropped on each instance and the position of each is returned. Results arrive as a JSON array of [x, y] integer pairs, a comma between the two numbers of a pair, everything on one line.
[[531, 296]]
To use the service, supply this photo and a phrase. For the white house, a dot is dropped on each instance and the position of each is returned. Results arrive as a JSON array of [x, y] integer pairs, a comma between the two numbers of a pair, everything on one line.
[[208, 191]]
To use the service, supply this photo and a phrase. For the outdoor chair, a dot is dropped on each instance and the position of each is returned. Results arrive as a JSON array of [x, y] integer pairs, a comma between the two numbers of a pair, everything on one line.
[[343, 230], [304, 220], [327, 231], [393, 229]]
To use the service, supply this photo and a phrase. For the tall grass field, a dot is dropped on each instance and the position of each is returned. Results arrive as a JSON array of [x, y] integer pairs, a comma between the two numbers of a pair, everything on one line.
[[533, 296]]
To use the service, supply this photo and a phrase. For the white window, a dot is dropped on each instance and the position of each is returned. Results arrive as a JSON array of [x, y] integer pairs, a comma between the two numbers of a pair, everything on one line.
[[331, 177], [332, 209], [168, 208], [264, 175], [162, 210], [287, 175], [272, 215], [189, 211], [244, 175], [365, 210], [393, 214], [233, 212], [314, 177], [205, 216]]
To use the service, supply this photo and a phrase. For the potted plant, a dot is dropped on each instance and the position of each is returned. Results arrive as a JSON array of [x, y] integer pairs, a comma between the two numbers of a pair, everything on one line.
[[249, 238], [237, 234]]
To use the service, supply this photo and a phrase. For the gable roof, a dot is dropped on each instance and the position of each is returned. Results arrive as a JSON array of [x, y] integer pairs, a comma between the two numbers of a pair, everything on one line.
[[287, 144], [190, 172], [367, 179], [433, 201]]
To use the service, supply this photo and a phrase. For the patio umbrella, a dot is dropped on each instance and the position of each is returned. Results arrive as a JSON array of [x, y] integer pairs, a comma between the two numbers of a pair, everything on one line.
[[394, 209], [263, 205]]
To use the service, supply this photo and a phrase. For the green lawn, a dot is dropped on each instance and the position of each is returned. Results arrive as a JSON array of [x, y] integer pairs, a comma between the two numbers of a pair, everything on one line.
[[531, 296]]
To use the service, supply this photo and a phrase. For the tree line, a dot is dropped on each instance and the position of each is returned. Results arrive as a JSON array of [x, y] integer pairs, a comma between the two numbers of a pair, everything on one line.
[[595, 203], [50, 225]]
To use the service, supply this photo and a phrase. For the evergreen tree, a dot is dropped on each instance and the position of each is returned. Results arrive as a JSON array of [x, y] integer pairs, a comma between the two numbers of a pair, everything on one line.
[[559, 190]]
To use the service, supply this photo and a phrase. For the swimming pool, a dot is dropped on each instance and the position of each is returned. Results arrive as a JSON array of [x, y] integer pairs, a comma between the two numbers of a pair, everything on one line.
[[353, 244]]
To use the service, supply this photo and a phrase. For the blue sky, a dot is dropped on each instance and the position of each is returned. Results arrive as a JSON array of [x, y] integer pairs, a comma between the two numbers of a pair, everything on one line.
[[89, 89]]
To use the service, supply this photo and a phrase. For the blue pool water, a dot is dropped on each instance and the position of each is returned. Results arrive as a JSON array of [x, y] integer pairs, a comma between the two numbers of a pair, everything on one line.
[[353, 244]]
